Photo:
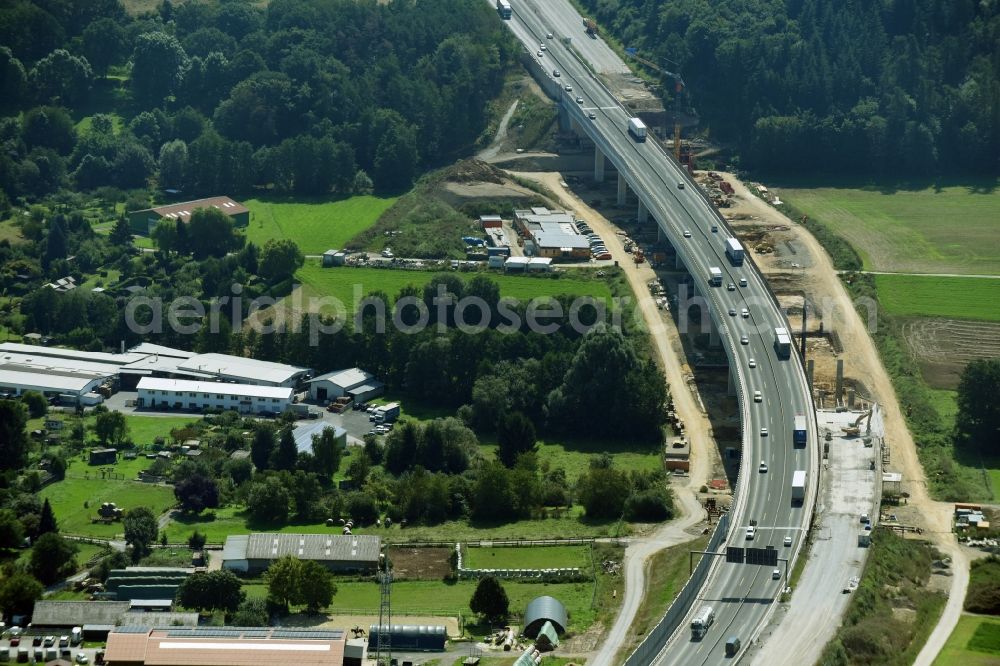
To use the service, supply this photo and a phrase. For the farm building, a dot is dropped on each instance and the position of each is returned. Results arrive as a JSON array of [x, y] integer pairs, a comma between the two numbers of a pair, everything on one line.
[[143, 221], [224, 646], [98, 618], [490, 221], [541, 610], [156, 586], [103, 456], [304, 433], [158, 393], [406, 637], [353, 382], [254, 553]]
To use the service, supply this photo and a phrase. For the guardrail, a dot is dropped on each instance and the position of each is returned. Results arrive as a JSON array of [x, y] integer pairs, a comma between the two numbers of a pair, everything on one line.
[[669, 623]]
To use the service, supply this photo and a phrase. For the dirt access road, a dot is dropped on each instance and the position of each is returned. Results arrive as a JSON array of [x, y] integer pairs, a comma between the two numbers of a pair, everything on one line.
[[821, 281], [670, 353]]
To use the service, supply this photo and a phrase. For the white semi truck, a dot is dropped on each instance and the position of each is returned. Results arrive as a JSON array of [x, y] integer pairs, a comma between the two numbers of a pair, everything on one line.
[[637, 129], [702, 621]]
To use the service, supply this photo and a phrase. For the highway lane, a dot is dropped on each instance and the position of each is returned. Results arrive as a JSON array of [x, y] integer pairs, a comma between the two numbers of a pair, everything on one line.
[[741, 594]]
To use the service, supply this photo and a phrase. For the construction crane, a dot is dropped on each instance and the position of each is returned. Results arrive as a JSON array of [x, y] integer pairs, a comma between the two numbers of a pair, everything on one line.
[[678, 89]]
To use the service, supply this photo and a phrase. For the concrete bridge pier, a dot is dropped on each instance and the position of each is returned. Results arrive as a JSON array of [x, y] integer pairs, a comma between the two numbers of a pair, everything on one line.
[[598, 165], [622, 189], [642, 215], [565, 121]]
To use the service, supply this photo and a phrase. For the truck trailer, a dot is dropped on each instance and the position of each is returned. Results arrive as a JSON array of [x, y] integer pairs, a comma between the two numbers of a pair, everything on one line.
[[503, 8], [637, 129], [800, 435], [734, 251], [782, 343], [799, 486], [715, 276], [702, 621], [386, 413]]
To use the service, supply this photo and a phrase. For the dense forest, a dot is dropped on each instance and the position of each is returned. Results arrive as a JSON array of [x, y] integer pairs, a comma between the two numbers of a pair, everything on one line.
[[893, 87], [305, 96]]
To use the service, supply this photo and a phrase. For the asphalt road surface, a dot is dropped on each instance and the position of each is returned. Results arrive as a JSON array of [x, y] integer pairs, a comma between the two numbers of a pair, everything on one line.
[[742, 595]]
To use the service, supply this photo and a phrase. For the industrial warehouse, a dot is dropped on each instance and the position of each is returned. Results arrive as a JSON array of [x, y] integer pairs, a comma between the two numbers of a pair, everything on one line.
[[165, 377]]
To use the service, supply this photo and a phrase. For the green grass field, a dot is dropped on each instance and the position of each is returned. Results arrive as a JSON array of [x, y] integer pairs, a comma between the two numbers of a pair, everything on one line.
[[315, 226], [535, 557], [83, 485], [974, 642], [420, 597], [947, 230], [142, 429], [575, 456], [344, 283], [954, 297]]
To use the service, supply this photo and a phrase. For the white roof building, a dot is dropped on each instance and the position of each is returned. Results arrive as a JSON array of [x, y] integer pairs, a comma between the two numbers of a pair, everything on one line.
[[355, 382], [160, 393], [247, 370]]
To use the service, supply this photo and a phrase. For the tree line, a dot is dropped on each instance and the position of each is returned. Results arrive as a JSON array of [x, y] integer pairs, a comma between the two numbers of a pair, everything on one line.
[[894, 88], [305, 96]]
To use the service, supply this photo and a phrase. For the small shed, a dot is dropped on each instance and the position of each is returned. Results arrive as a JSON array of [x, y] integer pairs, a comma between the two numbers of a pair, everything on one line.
[[490, 221], [328, 258], [419, 638], [539, 264], [516, 264], [545, 609], [103, 456]]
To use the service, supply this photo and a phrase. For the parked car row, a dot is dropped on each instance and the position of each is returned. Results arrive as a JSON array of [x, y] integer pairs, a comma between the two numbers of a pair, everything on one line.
[[598, 250]]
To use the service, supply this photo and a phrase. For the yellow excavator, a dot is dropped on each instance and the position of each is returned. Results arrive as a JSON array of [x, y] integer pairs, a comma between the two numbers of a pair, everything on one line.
[[855, 430]]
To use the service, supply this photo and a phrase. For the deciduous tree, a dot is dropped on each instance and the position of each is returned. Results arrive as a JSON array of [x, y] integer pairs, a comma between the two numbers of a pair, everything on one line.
[[141, 530], [52, 558]]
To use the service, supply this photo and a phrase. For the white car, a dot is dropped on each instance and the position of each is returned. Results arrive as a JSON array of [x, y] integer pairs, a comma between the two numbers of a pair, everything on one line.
[[751, 533], [81, 658], [730, 287], [763, 432], [788, 542], [743, 282], [744, 340], [687, 234], [548, 35], [745, 313], [753, 364], [579, 100], [757, 397], [540, 54], [555, 72], [762, 468], [592, 115], [776, 574], [541, 47], [569, 88]]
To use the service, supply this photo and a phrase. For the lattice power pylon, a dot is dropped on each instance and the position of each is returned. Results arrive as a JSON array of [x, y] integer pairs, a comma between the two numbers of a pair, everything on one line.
[[383, 653]]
